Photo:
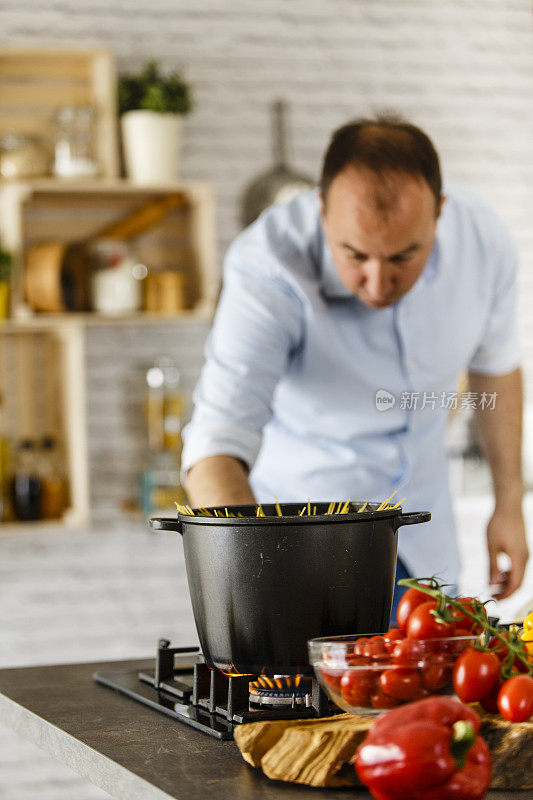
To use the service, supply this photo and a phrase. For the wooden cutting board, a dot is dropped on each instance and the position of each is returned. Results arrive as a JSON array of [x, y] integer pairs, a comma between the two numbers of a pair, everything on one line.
[[319, 752]]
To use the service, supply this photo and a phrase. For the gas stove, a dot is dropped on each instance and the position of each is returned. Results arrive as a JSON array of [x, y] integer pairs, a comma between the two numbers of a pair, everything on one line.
[[182, 686]]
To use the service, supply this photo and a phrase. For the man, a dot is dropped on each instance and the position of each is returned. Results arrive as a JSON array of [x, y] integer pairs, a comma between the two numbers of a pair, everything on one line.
[[346, 317]]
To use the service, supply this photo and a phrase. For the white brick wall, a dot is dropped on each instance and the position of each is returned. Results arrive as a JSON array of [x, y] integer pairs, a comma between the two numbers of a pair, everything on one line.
[[461, 69], [116, 389]]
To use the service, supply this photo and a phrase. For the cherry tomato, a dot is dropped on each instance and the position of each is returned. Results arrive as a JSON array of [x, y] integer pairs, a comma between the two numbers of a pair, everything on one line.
[[359, 645], [490, 702], [355, 661], [408, 652], [332, 678], [374, 648], [515, 698], [502, 652], [402, 684], [460, 641], [497, 646], [438, 672], [409, 601], [356, 686], [379, 699], [423, 625], [460, 633], [391, 637], [465, 622], [475, 675]]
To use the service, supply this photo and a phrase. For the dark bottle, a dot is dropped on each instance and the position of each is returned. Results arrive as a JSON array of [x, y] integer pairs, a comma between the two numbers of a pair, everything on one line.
[[26, 484], [53, 484]]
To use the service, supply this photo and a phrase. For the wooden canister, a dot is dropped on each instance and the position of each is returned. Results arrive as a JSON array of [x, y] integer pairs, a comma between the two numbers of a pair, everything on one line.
[[164, 292]]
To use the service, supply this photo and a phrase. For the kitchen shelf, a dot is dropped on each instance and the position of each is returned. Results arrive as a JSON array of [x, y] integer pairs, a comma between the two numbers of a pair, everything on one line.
[[41, 526], [35, 82], [44, 321], [102, 185], [42, 376], [47, 210]]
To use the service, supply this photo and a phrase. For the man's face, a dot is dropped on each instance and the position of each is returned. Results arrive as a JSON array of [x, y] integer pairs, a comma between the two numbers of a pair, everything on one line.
[[380, 232]]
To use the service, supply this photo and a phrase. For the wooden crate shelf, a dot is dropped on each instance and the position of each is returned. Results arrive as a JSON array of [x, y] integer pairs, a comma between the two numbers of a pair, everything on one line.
[[46, 209], [43, 387], [32, 212], [35, 82], [93, 318]]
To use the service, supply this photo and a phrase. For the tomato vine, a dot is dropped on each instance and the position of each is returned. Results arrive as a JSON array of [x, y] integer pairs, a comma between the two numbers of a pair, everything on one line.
[[443, 612]]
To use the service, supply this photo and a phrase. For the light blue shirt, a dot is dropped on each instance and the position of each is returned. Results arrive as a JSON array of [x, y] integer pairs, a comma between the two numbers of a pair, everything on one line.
[[295, 362]]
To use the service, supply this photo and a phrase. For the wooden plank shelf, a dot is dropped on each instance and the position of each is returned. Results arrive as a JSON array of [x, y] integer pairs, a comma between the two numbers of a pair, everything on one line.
[[71, 213], [66, 523], [43, 321], [42, 375], [63, 214], [35, 82]]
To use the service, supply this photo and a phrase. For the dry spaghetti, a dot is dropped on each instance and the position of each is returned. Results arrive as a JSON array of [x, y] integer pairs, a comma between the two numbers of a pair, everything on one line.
[[334, 508]]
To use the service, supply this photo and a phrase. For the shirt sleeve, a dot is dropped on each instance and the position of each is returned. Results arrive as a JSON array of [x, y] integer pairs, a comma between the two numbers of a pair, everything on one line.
[[498, 352], [257, 326]]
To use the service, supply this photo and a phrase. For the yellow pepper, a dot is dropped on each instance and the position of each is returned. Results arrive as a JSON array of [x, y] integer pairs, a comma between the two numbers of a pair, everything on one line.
[[527, 636]]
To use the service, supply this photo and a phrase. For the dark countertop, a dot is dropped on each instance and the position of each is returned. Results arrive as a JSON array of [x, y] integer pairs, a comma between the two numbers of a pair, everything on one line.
[[131, 751]]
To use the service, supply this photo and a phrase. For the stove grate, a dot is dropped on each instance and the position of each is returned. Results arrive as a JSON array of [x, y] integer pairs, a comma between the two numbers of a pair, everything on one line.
[[184, 687]]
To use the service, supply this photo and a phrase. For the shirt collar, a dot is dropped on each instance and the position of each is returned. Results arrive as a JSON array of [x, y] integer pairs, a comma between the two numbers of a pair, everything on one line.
[[431, 270], [332, 286]]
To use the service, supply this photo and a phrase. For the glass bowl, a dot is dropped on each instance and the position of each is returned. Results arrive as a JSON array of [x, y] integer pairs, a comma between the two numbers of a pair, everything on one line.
[[365, 675]]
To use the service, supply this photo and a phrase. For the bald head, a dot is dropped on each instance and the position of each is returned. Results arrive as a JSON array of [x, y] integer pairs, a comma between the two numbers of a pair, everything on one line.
[[390, 150]]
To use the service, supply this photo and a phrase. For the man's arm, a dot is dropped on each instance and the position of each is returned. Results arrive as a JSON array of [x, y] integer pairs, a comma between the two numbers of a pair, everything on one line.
[[218, 481], [500, 431], [258, 325]]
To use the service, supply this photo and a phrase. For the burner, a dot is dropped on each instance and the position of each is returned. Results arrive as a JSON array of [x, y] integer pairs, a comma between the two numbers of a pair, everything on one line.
[[182, 686], [282, 691]]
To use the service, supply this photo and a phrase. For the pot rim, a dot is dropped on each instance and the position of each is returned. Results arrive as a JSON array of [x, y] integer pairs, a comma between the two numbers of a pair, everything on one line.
[[186, 520]]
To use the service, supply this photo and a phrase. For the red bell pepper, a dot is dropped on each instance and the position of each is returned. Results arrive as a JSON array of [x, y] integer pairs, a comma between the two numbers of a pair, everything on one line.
[[426, 750]]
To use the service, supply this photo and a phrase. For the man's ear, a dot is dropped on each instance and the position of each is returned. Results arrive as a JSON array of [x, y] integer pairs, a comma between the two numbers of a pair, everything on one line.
[[322, 206], [443, 199]]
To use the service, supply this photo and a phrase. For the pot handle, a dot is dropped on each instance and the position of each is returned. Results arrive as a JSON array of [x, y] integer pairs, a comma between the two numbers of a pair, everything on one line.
[[412, 518], [168, 524]]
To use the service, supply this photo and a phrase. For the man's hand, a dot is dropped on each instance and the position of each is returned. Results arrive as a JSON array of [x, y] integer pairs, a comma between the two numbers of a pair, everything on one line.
[[219, 481], [506, 533], [500, 429]]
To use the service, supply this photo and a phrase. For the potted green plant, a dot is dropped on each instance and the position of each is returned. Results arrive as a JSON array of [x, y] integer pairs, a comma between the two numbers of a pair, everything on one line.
[[152, 107], [6, 262]]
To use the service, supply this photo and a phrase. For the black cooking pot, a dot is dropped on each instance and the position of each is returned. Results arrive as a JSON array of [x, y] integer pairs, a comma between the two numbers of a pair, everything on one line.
[[262, 586]]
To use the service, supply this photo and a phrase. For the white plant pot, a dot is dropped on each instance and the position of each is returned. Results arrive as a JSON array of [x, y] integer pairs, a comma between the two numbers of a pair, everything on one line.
[[151, 144]]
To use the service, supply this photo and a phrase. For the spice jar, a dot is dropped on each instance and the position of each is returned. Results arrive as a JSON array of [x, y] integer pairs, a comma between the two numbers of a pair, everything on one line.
[[54, 490], [116, 283], [74, 142], [22, 156]]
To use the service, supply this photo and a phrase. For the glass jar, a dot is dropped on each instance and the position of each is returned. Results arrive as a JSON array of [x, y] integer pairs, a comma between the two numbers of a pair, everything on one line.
[[74, 142], [26, 484], [23, 156], [53, 482], [116, 282]]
